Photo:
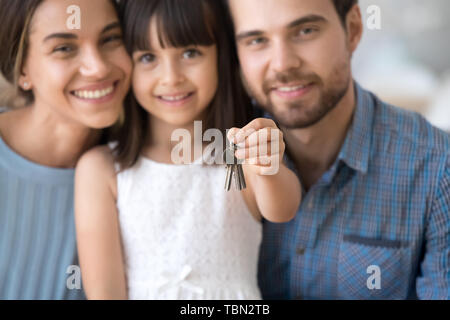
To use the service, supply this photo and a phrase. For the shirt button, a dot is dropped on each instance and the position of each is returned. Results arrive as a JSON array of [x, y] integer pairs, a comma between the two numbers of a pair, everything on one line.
[[300, 251], [310, 203]]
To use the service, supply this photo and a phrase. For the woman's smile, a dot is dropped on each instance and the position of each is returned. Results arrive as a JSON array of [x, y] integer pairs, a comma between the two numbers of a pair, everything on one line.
[[99, 93]]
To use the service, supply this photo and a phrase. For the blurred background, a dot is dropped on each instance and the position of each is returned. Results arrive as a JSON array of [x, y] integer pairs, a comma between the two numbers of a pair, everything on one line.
[[406, 62]]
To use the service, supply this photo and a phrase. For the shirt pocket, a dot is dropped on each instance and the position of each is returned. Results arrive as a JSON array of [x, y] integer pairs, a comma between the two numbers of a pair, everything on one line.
[[372, 269]]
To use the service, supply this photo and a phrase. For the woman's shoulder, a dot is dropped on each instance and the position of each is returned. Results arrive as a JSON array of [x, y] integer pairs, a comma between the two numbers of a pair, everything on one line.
[[3, 109], [8, 114], [12, 118]]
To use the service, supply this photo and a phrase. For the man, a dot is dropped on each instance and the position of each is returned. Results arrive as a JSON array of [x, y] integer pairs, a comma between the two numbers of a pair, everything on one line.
[[375, 219]]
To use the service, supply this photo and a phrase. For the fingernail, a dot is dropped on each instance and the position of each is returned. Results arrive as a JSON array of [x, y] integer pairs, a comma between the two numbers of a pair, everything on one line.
[[239, 137], [240, 154], [232, 133]]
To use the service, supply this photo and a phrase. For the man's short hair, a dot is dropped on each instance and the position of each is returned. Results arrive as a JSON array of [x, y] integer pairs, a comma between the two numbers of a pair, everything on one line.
[[343, 7]]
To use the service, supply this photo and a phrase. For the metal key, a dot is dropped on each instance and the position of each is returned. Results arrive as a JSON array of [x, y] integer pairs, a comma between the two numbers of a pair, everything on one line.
[[230, 170], [240, 176], [228, 158], [234, 169]]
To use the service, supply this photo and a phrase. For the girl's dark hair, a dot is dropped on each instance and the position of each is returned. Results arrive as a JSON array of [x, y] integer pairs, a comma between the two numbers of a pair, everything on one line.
[[16, 18], [182, 23]]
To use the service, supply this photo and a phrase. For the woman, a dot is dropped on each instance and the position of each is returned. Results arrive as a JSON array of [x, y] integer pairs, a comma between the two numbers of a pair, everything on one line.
[[74, 82]]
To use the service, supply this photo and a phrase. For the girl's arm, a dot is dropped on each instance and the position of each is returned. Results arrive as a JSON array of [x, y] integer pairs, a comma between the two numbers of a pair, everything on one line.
[[97, 226], [273, 190]]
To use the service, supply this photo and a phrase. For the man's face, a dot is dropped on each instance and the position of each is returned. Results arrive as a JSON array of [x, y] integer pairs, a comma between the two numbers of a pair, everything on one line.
[[295, 56]]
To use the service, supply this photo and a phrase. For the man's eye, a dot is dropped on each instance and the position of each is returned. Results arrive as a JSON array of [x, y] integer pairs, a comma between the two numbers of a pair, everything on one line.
[[191, 53], [147, 58], [307, 31]]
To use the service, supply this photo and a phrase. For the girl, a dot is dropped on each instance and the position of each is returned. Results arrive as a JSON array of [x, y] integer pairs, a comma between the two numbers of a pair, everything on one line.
[[149, 229], [73, 82]]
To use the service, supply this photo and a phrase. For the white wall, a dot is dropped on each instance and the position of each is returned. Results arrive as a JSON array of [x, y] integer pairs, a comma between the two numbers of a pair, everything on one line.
[[407, 62]]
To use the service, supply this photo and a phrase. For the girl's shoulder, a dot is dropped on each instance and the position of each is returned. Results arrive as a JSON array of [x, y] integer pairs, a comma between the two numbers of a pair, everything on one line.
[[99, 156], [97, 166]]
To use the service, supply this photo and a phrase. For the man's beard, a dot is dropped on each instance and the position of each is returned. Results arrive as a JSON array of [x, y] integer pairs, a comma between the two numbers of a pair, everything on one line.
[[304, 114]]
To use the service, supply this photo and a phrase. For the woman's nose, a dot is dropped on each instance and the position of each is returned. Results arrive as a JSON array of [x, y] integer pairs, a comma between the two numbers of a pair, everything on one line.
[[94, 65]]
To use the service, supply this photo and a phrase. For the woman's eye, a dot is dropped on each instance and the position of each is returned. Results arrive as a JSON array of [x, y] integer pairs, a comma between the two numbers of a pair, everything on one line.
[[112, 38], [147, 58], [256, 41], [191, 53], [64, 49]]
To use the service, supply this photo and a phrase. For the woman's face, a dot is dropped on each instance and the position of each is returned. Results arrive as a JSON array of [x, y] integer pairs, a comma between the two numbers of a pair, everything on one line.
[[81, 75], [175, 85]]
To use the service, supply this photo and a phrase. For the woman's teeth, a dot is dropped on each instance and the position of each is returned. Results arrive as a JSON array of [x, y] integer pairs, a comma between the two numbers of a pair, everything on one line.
[[95, 94], [290, 89], [175, 98]]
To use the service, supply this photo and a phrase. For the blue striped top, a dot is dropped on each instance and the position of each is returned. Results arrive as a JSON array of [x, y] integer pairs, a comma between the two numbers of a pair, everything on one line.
[[37, 232]]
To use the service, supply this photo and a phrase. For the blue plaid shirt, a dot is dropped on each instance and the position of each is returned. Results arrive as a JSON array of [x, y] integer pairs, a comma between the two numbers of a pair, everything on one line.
[[377, 223]]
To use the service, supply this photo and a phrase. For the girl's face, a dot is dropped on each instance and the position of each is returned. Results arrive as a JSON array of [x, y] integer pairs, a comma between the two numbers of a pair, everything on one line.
[[175, 85], [82, 74]]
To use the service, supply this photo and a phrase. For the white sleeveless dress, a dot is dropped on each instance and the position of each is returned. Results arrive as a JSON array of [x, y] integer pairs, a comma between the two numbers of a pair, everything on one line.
[[184, 236]]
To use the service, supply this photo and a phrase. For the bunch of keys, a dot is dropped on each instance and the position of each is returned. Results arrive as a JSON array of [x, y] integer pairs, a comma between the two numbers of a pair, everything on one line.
[[234, 169]]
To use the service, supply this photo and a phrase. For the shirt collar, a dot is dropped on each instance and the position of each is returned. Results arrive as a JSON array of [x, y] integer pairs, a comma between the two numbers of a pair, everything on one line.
[[355, 152]]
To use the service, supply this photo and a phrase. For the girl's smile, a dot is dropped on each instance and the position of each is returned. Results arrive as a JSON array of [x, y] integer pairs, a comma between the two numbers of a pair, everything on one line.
[[176, 99]]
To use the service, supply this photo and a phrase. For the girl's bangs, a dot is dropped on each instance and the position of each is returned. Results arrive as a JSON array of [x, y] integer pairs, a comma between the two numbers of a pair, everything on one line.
[[180, 23]]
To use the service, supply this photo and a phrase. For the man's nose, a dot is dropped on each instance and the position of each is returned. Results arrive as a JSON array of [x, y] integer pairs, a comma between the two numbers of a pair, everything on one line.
[[284, 57], [94, 65]]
